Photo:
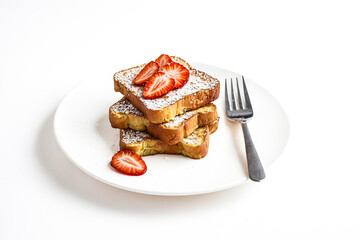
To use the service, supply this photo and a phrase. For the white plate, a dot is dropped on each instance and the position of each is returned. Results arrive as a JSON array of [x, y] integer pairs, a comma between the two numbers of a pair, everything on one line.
[[84, 133]]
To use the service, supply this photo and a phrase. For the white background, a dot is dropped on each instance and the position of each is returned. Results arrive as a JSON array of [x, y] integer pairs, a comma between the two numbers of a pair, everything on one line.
[[306, 53]]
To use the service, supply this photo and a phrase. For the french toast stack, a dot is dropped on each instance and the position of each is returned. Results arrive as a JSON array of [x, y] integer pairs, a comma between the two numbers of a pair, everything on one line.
[[167, 108]]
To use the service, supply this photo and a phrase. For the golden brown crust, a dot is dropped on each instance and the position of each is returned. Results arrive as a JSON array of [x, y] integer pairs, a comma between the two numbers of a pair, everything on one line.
[[195, 146], [172, 136], [124, 121], [167, 132]]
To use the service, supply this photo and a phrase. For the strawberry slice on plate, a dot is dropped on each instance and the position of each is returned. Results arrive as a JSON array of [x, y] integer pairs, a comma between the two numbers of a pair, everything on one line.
[[158, 85], [178, 72], [163, 60], [150, 69], [128, 163]]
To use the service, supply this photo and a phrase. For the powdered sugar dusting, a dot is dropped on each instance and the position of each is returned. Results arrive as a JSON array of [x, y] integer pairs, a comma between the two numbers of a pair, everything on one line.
[[133, 136], [176, 121], [124, 106], [193, 139], [198, 81]]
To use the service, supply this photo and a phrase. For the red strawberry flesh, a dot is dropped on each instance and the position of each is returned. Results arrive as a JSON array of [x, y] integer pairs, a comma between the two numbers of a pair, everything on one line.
[[162, 60], [178, 72], [149, 69], [158, 85], [128, 163]]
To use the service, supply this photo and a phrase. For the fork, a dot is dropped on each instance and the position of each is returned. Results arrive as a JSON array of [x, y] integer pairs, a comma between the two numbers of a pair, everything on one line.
[[241, 111]]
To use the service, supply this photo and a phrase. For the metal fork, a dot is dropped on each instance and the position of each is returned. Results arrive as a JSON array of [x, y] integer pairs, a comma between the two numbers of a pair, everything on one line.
[[241, 111]]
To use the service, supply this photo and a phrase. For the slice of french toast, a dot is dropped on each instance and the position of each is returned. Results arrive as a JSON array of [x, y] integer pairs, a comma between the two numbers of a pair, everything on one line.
[[196, 145], [200, 90], [123, 114]]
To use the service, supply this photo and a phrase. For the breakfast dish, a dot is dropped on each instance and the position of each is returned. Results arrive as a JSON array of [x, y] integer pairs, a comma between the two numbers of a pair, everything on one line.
[[166, 109], [86, 139]]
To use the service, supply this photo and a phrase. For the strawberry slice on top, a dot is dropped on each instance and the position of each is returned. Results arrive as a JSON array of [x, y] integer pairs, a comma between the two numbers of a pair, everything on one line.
[[162, 60], [128, 163], [178, 72], [158, 85], [150, 69]]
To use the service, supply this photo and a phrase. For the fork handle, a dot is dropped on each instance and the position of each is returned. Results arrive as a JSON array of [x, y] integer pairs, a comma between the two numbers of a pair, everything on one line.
[[255, 168]]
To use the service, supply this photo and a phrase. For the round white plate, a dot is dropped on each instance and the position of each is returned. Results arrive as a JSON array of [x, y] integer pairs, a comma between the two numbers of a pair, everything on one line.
[[84, 133]]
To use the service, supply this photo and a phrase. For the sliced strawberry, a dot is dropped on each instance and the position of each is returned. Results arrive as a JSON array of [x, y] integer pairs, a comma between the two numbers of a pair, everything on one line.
[[178, 72], [129, 163], [149, 69], [163, 60], [158, 85]]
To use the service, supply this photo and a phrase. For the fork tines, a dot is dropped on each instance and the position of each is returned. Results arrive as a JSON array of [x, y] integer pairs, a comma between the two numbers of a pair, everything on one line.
[[237, 107]]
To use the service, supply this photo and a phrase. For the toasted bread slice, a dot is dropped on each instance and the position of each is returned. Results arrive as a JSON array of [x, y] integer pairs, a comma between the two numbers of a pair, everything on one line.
[[200, 90], [123, 115], [194, 146]]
